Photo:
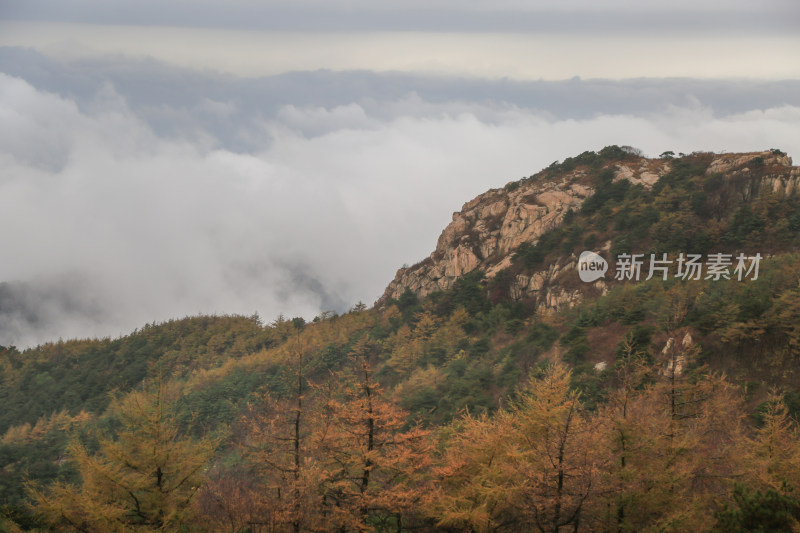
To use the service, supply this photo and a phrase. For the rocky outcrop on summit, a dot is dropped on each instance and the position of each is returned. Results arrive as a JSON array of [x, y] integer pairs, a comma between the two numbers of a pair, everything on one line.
[[489, 229], [737, 170]]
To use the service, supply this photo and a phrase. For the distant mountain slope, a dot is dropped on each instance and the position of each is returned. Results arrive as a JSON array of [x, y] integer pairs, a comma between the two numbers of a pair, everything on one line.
[[79, 374]]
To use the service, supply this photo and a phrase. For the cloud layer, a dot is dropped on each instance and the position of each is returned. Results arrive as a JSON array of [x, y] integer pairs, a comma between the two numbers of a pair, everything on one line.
[[422, 15], [632, 50], [109, 220]]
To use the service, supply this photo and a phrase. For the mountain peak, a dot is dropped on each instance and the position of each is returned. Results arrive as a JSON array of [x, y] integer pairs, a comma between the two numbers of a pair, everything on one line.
[[491, 227]]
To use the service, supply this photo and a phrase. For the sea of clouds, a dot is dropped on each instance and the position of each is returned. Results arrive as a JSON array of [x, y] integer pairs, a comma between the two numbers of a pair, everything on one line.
[[132, 193]]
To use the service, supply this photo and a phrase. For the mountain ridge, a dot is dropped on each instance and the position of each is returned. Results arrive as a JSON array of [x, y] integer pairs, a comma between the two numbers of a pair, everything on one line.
[[490, 228]]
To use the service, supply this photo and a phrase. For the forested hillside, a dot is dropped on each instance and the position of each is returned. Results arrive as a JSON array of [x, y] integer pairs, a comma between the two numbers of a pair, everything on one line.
[[487, 404]]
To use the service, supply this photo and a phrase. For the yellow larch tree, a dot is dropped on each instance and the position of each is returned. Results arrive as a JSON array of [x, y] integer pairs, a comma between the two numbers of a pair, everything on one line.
[[529, 468], [144, 478]]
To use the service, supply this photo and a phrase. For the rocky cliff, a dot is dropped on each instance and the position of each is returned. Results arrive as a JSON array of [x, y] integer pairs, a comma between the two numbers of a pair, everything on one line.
[[490, 228]]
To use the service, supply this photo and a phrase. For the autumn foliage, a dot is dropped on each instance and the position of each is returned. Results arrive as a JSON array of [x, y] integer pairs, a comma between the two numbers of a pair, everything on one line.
[[669, 448], [428, 417], [143, 479]]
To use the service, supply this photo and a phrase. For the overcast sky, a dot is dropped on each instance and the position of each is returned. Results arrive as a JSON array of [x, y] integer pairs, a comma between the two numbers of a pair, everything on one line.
[[163, 159]]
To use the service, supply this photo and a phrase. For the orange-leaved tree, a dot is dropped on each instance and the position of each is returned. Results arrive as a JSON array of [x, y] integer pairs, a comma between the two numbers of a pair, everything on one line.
[[372, 463], [280, 449]]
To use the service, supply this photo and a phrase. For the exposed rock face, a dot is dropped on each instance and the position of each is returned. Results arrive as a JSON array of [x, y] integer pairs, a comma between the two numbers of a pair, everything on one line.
[[737, 171], [488, 229], [724, 163], [646, 172]]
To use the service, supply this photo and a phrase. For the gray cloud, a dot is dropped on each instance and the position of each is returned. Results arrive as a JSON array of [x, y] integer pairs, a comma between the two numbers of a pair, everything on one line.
[[229, 112], [443, 15], [49, 309], [132, 192]]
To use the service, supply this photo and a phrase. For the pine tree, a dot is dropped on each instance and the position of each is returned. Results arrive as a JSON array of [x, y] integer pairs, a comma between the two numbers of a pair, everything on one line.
[[469, 493], [142, 479], [551, 470], [280, 449], [668, 442], [773, 455], [526, 469], [371, 464]]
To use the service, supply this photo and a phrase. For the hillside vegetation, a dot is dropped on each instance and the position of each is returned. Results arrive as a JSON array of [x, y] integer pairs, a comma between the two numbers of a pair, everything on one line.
[[657, 405]]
